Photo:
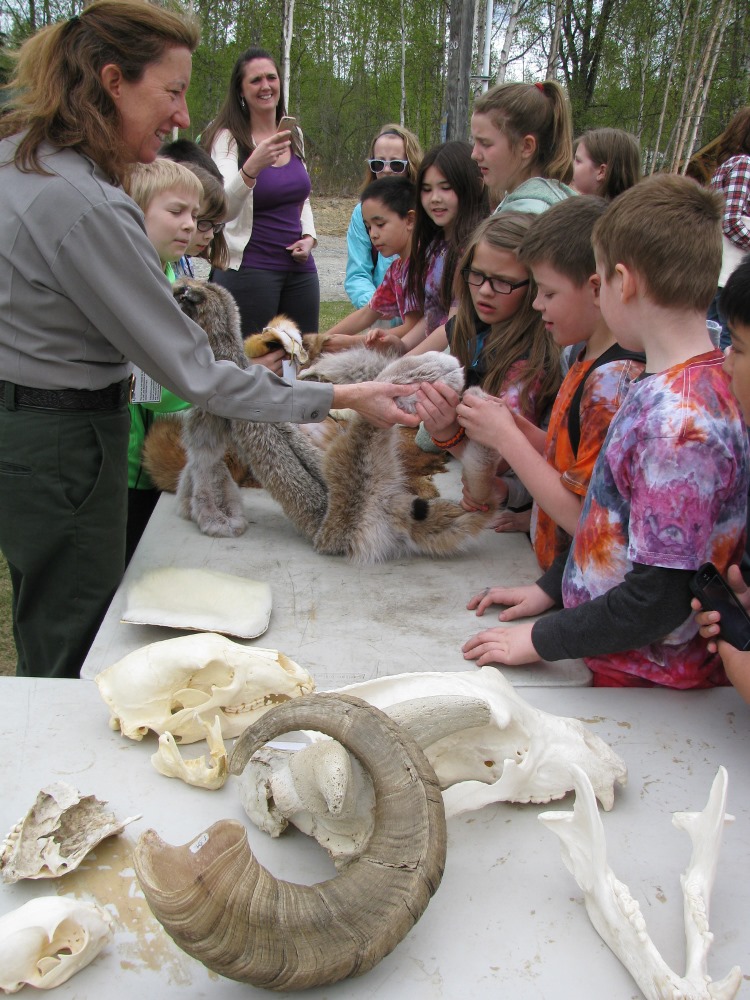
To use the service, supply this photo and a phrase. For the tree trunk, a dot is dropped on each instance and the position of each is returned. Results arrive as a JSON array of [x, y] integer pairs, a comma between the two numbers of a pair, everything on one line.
[[288, 30], [554, 47], [714, 46], [402, 118], [460, 45], [672, 64], [508, 41]]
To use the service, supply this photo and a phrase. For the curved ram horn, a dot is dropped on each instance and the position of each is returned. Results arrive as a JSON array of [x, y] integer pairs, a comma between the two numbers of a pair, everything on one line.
[[223, 908]]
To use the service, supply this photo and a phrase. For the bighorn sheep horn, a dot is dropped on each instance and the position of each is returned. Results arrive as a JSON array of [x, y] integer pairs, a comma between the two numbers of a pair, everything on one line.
[[222, 907]]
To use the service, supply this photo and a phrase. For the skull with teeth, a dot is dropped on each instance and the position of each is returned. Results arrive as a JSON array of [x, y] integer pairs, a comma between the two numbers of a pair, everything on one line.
[[170, 686]]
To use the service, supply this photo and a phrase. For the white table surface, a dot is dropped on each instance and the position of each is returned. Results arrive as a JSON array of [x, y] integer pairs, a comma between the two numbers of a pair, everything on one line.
[[508, 919], [343, 623]]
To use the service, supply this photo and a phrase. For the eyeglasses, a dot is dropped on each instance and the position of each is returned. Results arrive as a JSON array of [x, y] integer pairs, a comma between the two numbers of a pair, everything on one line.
[[395, 166], [206, 225], [499, 285]]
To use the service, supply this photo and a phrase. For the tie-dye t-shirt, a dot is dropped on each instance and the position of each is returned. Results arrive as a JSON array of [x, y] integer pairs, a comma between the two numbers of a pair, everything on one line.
[[605, 389], [434, 312], [390, 298], [669, 489]]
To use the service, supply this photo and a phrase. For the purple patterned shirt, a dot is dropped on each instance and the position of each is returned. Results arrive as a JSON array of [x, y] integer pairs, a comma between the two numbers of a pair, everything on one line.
[[669, 489]]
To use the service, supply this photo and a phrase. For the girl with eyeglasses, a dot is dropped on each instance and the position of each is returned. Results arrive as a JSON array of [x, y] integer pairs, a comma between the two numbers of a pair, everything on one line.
[[499, 339], [208, 239], [394, 150]]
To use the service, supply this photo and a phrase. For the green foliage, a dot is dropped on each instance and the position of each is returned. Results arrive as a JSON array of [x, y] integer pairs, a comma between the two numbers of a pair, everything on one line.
[[617, 59], [345, 73]]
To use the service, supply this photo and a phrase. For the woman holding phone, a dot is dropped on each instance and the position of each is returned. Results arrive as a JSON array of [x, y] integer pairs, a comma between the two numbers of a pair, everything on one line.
[[270, 232]]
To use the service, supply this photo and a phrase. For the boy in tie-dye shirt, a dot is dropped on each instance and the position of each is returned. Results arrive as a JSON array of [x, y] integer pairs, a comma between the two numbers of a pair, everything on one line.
[[669, 488], [556, 467]]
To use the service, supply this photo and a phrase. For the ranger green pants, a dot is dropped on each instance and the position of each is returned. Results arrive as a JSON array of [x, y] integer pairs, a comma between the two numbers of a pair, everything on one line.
[[63, 508]]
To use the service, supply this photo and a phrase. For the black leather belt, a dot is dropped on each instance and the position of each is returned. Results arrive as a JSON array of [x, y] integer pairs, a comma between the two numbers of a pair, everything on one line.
[[29, 398]]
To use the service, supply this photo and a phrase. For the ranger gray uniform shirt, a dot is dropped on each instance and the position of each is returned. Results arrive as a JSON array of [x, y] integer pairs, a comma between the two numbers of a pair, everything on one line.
[[83, 294]]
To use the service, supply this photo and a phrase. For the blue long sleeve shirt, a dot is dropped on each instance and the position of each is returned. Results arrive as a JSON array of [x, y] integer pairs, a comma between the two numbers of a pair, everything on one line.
[[361, 277]]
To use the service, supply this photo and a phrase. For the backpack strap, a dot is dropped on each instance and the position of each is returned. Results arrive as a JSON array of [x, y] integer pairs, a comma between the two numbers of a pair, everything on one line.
[[613, 353]]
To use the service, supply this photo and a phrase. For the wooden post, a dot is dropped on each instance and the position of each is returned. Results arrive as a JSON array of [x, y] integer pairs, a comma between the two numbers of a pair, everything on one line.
[[458, 85]]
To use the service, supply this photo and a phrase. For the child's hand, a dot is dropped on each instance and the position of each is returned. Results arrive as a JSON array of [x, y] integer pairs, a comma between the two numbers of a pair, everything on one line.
[[436, 406], [486, 419], [381, 340], [520, 602], [709, 622], [340, 342], [512, 520], [468, 502], [510, 646]]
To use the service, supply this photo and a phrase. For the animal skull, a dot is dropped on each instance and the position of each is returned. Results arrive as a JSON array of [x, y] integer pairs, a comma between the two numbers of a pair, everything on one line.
[[221, 906], [170, 686], [56, 834], [47, 940], [617, 916], [511, 753], [199, 772]]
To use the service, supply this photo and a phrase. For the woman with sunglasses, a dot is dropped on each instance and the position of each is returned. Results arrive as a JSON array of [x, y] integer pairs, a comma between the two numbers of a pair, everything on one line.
[[394, 150], [262, 161]]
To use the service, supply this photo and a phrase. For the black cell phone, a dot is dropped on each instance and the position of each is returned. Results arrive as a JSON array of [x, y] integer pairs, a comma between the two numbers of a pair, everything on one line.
[[715, 594]]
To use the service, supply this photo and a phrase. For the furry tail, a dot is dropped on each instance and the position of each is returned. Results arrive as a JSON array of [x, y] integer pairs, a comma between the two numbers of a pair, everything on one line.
[[373, 515], [440, 527], [289, 467]]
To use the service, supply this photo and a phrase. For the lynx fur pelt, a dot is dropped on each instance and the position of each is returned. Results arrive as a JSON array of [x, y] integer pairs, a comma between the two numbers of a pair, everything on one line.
[[354, 499]]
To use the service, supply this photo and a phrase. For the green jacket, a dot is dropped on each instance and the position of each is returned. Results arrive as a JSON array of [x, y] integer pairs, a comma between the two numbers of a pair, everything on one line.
[[142, 415], [535, 195]]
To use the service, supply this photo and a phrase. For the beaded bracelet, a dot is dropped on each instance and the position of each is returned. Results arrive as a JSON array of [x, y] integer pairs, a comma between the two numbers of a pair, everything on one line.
[[451, 442], [250, 177]]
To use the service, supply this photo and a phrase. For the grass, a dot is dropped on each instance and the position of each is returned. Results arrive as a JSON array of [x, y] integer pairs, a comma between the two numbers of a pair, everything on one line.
[[7, 647], [333, 312], [330, 313]]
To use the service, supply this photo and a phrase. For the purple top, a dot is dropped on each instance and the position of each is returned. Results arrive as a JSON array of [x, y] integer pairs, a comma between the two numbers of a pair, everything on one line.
[[278, 197]]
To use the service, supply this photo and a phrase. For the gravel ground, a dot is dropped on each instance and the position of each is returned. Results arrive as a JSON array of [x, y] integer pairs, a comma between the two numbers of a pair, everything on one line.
[[330, 259], [331, 220]]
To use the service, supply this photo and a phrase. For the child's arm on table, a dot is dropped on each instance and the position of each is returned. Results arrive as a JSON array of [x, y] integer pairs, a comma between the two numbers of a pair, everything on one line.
[[491, 422], [736, 661], [650, 603]]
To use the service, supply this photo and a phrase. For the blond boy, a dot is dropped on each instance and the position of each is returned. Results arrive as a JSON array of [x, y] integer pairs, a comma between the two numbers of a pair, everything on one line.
[[169, 195], [669, 488]]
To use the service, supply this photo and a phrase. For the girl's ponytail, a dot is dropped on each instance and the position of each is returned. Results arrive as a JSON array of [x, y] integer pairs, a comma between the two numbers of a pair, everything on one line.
[[558, 162], [538, 109]]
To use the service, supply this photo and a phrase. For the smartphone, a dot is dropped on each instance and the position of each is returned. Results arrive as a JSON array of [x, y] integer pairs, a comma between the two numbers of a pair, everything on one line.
[[715, 594], [286, 124]]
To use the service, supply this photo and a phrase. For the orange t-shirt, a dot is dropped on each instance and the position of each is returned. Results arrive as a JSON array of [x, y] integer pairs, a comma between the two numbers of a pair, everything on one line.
[[604, 391]]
